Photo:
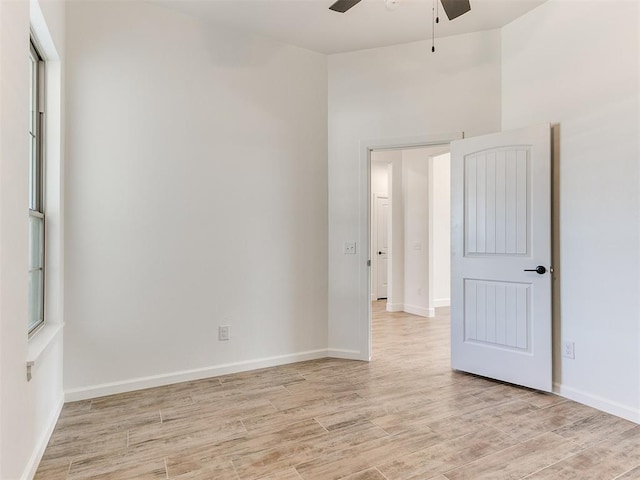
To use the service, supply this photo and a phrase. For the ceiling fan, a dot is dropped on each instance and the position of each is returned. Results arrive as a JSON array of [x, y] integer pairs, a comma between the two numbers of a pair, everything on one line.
[[453, 8]]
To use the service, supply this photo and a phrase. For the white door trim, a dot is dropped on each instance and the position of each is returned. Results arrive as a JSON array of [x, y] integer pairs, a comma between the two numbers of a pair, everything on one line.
[[364, 234]]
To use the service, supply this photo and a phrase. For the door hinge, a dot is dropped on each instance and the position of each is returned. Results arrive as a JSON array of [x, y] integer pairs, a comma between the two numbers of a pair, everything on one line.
[[368, 263]]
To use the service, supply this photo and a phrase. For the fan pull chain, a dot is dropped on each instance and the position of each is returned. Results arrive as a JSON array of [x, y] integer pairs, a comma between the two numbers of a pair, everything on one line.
[[433, 28], [437, 11]]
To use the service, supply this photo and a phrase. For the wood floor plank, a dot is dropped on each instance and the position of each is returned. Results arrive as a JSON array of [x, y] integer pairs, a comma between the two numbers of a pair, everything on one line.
[[609, 459], [447, 455], [595, 429], [518, 461], [300, 453], [167, 437], [400, 420], [369, 474], [303, 410], [524, 427], [633, 474], [357, 458], [52, 471], [287, 474], [250, 446], [122, 465], [199, 467]]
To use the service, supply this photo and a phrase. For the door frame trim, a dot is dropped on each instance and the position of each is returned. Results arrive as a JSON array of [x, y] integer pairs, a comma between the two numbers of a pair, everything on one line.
[[364, 287]]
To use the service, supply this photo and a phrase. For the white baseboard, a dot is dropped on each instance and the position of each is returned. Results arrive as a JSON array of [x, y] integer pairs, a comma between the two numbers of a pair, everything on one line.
[[38, 451], [413, 309], [442, 302], [188, 375], [395, 307], [421, 311], [595, 401], [345, 354]]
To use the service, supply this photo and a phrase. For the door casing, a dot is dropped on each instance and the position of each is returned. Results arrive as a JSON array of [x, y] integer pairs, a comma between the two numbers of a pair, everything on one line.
[[364, 240]]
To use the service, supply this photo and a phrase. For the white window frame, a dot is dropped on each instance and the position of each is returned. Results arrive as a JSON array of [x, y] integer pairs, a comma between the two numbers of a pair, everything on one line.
[[36, 316]]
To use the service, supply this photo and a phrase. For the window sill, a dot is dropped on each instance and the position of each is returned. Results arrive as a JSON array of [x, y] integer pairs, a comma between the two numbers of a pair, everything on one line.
[[40, 343]]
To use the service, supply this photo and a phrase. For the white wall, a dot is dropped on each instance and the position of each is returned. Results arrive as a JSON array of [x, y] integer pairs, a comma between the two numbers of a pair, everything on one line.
[[393, 93], [28, 410], [415, 170], [196, 196], [440, 214], [14, 411], [579, 66]]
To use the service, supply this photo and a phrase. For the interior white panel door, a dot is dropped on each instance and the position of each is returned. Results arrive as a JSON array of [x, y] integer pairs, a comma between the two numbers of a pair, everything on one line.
[[382, 235], [500, 235]]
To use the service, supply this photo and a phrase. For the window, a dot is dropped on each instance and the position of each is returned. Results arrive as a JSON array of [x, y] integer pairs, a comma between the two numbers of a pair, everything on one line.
[[36, 192]]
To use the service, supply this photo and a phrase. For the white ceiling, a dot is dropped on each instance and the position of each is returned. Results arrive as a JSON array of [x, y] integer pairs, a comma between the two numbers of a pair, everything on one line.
[[310, 24]]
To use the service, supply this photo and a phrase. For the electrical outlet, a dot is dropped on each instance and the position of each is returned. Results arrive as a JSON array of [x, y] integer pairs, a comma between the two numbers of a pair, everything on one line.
[[568, 350], [350, 248], [223, 332]]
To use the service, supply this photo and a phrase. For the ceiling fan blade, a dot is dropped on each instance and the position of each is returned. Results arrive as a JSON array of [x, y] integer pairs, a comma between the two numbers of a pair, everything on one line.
[[343, 5], [455, 8]]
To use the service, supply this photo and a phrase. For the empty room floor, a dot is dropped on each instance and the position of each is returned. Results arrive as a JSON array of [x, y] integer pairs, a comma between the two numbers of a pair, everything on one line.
[[405, 415]]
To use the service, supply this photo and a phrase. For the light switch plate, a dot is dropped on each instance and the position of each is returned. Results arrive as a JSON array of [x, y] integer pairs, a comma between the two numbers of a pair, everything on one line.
[[349, 248]]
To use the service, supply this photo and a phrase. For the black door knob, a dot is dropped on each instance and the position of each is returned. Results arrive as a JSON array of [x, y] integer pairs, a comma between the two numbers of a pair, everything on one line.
[[380, 253], [540, 270]]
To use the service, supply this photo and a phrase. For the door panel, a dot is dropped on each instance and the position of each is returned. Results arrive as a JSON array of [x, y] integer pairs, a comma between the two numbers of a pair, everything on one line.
[[496, 201], [501, 226], [497, 314]]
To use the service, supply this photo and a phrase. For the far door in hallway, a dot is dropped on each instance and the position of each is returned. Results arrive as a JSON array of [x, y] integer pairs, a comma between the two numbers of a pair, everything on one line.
[[382, 245]]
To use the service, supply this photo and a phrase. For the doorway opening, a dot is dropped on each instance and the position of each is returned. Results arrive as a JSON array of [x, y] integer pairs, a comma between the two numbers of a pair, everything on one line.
[[500, 253], [409, 234]]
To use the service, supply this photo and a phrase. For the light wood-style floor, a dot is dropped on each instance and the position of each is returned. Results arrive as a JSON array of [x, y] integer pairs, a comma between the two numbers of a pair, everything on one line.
[[405, 415]]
